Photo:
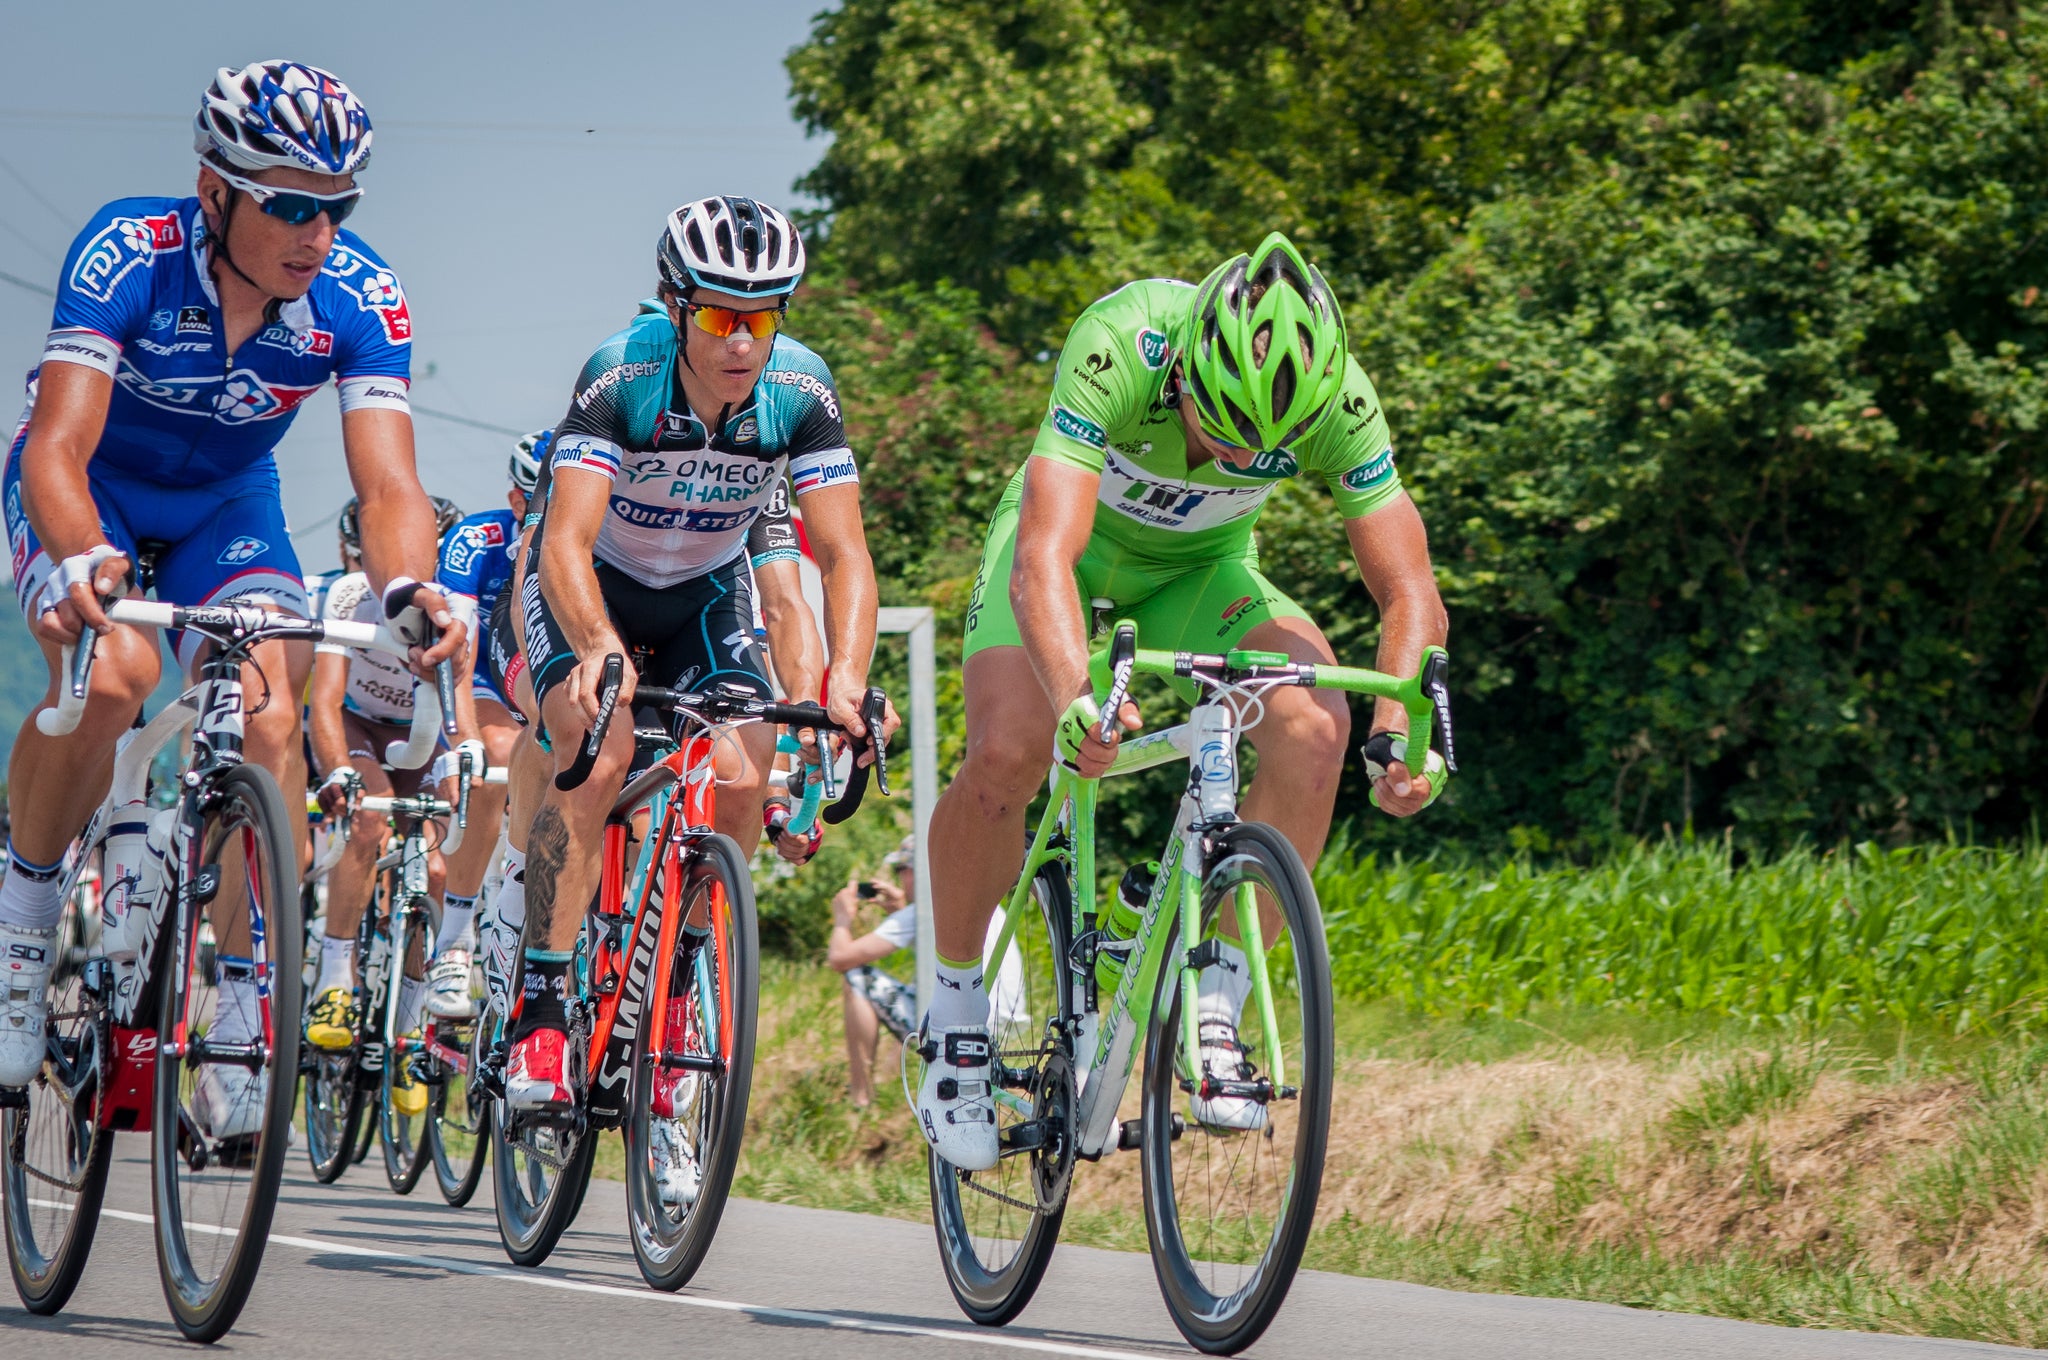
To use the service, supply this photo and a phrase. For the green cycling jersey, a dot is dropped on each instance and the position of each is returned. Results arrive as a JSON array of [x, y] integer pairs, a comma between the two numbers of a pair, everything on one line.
[[1107, 416]]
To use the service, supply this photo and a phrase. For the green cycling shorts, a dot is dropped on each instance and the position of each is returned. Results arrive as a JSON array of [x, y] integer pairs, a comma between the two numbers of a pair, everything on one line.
[[1201, 608]]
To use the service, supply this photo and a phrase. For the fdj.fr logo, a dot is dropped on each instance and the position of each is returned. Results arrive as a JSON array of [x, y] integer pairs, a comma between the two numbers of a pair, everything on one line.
[[242, 550]]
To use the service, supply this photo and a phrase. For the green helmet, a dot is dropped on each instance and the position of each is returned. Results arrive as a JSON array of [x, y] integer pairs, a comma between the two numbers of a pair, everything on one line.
[[1248, 389]]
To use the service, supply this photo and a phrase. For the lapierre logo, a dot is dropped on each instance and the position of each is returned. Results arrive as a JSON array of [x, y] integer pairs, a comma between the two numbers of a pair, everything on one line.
[[1078, 427], [119, 247], [1151, 348], [806, 383], [612, 377], [242, 550], [1365, 475]]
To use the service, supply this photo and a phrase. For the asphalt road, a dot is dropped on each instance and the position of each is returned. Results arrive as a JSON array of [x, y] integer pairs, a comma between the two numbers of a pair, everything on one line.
[[353, 1271]]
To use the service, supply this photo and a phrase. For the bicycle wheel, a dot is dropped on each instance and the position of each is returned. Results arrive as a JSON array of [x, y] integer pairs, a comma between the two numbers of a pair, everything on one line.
[[540, 1167], [689, 1100], [458, 1116], [1229, 1203], [997, 1228], [402, 1098], [223, 1108], [54, 1154], [333, 1105]]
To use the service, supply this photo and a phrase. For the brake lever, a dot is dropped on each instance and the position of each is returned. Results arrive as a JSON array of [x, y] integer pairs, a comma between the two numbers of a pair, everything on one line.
[[1123, 659], [613, 677], [1436, 674], [444, 686], [873, 702]]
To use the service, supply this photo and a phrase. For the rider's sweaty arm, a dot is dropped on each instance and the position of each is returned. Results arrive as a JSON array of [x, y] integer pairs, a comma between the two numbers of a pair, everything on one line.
[[323, 703], [578, 501], [1391, 548], [1054, 521], [840, 545], [794, 647], [397, 522], [63, 431]]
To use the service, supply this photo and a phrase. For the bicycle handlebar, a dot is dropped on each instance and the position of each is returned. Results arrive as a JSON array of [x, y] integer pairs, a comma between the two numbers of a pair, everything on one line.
[[718, 707]]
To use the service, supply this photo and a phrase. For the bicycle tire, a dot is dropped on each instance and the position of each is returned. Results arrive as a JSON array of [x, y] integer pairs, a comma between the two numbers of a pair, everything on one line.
[[670, 1247], [991, 1293], [333, 1105], [204, 1309], [532, 1209], [1222, 1306], [457, 1174], [402, 1136], [46, 1252]]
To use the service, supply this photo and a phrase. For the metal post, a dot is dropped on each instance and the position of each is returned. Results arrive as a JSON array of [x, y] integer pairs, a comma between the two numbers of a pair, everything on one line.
[[923, 719]]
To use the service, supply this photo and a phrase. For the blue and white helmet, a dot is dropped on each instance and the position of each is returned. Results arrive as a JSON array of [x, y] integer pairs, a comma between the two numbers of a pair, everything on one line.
[[732, 244], [526, 459], [273, 114]]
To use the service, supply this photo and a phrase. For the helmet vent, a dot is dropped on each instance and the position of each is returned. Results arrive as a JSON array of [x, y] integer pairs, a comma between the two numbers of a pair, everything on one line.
[[1262, 343], [1286, 377]]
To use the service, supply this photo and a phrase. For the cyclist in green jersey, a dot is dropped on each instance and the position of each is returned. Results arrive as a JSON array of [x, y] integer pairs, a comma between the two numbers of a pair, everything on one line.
[[1175, 412]]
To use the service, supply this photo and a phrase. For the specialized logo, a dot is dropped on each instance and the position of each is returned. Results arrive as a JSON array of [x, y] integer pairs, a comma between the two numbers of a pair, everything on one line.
[[738, 642], [319, 344], [1151, 348], [1078, 428], [192, 319], [1367, 474], [120, 246], [808, 384], [612, 377], [242, 550]]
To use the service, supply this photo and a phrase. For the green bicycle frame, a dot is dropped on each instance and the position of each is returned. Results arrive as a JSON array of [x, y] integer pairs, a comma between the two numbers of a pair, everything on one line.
[[1176, 892]]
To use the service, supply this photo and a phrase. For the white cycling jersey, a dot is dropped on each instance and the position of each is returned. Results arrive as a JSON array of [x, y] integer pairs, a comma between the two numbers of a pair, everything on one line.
[[379, 685]]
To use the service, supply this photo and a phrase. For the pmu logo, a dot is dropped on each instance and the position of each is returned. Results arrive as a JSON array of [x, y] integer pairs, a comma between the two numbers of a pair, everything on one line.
[[243, 549]]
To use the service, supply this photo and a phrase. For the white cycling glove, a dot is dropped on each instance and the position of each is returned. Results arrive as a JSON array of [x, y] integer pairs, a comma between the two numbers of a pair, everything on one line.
[[78, 570]]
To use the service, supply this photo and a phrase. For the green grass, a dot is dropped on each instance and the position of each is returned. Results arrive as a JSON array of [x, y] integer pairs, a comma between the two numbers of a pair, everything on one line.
[[1949, 936]]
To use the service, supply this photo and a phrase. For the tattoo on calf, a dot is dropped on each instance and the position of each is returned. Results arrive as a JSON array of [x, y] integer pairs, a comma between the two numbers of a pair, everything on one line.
[[547, 847]]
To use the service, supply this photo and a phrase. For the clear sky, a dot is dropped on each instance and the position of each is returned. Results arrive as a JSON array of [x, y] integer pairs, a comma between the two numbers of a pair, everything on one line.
[[526, 155]]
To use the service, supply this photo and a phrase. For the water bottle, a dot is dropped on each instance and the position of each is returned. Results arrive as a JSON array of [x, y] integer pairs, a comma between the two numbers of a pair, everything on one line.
[[131, 876], [1212, 736], [1118, 928]]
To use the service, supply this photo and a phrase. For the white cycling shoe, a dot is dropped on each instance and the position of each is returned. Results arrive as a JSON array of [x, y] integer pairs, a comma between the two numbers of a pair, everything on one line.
[[229, 1101], [26, 957], [448, 986], [675, 1164], [955, 1105], [1223, 1059]]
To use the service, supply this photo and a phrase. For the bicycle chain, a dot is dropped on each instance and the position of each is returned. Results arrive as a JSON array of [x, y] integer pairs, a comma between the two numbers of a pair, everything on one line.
[[1000, 1198]]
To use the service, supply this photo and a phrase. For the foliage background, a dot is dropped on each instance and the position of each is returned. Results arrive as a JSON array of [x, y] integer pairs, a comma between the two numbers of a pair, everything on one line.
[[1710, 334]]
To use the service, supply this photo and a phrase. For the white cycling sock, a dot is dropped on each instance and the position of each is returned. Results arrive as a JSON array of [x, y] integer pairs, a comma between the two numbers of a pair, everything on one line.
[[1221, 988], [238, 1007], [456, 914], [32, 895], [960, 999], [337, 965], [510, 905]]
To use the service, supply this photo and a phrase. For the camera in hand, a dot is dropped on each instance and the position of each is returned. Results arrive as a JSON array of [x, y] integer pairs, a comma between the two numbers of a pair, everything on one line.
[[865, 890]]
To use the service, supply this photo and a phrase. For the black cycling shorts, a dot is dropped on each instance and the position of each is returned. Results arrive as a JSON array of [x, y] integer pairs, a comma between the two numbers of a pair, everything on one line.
[[700, 632]]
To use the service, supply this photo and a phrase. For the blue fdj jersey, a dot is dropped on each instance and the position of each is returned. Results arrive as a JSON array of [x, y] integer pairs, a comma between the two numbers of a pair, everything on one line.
[[683, 496], [136, 302], [476, 558]]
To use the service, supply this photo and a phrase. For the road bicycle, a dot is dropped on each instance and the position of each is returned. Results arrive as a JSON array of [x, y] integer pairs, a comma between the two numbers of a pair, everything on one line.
[[410, 1087], [666, 984], [1231, 1164], [145, 1034]]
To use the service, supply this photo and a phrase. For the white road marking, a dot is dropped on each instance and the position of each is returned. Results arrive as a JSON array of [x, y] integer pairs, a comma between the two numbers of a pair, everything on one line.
[[978, 1336]]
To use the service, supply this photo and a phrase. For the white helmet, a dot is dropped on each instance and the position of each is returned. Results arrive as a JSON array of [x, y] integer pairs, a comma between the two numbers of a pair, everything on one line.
[[526, 456], [285, 114], [732, 244]]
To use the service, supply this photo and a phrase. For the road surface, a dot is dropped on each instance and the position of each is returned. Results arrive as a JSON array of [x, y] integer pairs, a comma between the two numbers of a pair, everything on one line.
[[353, 1271]]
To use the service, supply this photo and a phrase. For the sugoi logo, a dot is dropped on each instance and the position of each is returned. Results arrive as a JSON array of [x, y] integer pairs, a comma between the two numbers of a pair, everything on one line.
[[1151, 348], [1078, 427], [1235, 611], [243, 549]]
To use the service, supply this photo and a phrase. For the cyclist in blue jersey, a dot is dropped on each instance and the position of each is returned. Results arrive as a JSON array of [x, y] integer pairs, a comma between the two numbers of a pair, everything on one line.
[[681, 429], [186, 333]]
